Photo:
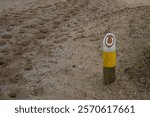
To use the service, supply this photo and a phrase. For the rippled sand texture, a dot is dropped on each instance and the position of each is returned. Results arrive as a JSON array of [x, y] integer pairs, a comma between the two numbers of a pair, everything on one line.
[[52, 49]]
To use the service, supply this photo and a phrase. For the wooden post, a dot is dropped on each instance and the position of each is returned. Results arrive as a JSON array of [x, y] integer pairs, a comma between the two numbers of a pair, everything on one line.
[[109, 58]]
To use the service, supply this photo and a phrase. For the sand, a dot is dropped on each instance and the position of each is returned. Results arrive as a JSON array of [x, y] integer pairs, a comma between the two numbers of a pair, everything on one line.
[[52, 49]]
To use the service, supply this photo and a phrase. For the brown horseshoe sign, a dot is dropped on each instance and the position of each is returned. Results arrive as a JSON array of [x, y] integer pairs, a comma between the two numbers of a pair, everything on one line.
[[109, 43]]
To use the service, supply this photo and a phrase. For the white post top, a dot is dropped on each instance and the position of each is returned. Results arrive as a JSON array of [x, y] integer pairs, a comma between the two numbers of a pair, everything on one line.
[[109, 43]]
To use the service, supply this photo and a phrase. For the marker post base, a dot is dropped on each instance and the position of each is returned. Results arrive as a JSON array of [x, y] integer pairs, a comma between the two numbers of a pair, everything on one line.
[[109, 75]]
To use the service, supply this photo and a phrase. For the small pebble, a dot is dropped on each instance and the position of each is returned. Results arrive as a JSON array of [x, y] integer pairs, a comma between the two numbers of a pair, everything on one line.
[[12, 95], [6, 35], [73, 66], [28, 67]]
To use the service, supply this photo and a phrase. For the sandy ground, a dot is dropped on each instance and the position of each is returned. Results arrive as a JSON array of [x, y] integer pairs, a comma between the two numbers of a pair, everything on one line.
[[52, 49]]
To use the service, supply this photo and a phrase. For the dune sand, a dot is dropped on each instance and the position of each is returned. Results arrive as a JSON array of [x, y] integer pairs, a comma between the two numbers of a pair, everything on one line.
[[52, 49]]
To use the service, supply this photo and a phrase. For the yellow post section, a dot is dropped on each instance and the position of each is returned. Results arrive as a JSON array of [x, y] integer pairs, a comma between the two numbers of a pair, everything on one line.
[[109, 59]]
